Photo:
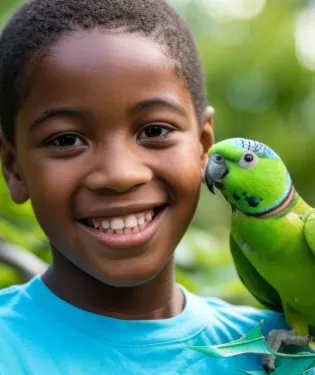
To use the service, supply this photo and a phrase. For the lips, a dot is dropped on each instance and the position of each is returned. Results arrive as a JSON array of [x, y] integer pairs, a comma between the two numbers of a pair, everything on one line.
[[124, 231]]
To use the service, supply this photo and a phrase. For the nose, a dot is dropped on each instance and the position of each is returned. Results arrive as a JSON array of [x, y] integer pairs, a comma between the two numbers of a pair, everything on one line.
[[118, 167]]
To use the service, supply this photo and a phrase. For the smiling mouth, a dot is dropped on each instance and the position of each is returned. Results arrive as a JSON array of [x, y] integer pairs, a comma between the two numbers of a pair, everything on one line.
[[120, 225]]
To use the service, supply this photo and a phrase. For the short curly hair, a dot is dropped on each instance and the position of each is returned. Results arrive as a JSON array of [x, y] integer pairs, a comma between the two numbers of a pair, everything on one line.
[[38, 24]]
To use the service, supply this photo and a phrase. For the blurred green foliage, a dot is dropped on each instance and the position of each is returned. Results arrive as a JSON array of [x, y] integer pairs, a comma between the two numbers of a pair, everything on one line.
[[259, 90]]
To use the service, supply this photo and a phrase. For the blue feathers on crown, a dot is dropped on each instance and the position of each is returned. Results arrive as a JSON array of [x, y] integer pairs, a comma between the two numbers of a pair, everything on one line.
[[258, 148]]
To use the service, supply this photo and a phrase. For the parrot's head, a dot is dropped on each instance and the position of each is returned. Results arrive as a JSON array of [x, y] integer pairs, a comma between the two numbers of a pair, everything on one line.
[[250, 175]]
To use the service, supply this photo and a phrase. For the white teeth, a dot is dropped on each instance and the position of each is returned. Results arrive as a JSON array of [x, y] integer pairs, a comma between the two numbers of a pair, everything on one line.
[[105, 224], [96, 223], [142, 226], [135, 230], [128, 224], [117, 223], [141, 220], [131, 221]]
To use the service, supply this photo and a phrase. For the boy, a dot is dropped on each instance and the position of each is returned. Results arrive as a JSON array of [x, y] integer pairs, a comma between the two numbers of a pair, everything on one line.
[[106, 131]]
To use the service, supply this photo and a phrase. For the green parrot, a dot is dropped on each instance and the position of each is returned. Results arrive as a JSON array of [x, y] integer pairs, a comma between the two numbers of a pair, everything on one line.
[[272, 238]]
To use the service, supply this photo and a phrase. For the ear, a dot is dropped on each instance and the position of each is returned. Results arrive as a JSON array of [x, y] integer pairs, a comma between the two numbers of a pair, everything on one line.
[[11, 171], [206, 137]]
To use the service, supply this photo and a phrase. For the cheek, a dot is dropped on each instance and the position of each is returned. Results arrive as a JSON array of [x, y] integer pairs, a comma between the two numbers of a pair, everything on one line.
[[185, 167], [50, 185], [180, 169]]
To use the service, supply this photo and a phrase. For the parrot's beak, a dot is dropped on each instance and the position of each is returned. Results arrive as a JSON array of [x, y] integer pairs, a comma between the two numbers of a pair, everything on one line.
[[216, 171]]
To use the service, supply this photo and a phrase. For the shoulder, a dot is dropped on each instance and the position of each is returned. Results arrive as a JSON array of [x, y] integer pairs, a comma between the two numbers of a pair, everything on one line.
[[230, 321], [12, 313], [11, 297], [17, 302], [242, 312], [246, 315], [19, 321]]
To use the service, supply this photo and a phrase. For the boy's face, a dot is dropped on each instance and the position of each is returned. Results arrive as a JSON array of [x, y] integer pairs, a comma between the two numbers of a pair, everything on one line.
[[108, 134]]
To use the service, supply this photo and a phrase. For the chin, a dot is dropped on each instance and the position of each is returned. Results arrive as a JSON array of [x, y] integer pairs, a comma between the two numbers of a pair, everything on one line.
[[124, 279], [123, 273], [125, 283]]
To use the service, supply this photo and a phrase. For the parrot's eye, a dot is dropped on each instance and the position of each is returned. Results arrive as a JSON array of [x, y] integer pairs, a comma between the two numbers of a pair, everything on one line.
[[248, 160]]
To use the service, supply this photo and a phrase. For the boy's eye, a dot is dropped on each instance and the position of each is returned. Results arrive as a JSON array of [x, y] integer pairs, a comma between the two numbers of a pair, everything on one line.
[[154, 131], [65, 140]]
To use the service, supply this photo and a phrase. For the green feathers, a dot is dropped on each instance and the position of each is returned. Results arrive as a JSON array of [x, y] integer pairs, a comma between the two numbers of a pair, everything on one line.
[[272, 237], [250, 175]]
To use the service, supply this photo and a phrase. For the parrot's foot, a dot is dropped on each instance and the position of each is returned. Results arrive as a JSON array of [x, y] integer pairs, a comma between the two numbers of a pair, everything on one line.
[[277, 339], [268, 363]]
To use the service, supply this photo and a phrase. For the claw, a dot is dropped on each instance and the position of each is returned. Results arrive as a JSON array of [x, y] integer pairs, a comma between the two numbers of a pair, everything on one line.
[[278, 338], [269, 363]]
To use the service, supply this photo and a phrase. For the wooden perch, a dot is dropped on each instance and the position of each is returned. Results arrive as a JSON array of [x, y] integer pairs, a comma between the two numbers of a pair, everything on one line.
[[22, 260]]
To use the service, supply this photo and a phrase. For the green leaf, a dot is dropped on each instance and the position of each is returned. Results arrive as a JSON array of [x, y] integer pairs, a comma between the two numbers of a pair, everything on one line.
[[252, 342], [291, 367]]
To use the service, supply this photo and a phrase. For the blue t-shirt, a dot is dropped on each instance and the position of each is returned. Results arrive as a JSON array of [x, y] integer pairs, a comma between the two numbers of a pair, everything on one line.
[[40, 334]]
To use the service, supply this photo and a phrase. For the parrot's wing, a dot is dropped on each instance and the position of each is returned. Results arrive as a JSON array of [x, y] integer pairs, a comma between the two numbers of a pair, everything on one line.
[[309, 229], [253, 281]]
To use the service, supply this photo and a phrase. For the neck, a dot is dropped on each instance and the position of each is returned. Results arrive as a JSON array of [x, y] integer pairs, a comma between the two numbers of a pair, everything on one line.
[[156, 299]]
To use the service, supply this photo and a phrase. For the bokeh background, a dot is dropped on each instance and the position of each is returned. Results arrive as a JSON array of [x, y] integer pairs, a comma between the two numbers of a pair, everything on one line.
[[259, 59]]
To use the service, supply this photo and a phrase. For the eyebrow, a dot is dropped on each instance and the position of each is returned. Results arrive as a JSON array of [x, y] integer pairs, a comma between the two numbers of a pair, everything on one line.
[[160, 103], [142, 105], [56, 113]]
